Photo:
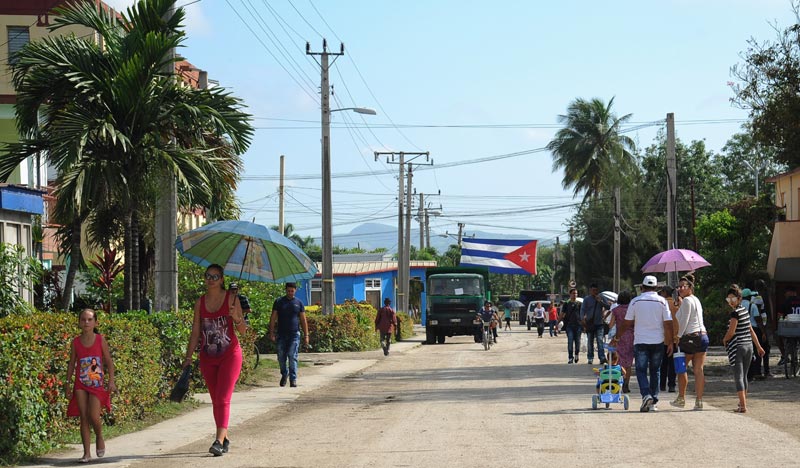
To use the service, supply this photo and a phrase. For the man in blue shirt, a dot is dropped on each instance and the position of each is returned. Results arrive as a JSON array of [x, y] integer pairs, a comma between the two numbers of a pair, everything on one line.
[[486, 314], [592, 318], [288, 315]]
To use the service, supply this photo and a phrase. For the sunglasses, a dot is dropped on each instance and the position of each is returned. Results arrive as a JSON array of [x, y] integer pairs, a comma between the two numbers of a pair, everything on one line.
[[212, 277]]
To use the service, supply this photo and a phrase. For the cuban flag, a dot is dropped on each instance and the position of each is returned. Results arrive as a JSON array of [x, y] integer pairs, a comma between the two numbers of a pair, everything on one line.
[[509, 256]]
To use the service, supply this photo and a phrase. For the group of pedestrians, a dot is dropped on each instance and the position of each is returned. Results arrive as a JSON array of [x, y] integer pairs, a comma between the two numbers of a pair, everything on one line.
[[645, 331]]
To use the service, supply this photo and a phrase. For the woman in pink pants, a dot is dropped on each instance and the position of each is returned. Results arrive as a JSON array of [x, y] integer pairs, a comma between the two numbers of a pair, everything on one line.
[[216, 314]]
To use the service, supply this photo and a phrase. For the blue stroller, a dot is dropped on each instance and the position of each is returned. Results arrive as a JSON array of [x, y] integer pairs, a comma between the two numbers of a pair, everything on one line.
[[609, 382]]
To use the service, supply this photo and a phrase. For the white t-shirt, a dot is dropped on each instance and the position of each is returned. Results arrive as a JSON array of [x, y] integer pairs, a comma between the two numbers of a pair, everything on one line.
[[649, 311], [690, 316]]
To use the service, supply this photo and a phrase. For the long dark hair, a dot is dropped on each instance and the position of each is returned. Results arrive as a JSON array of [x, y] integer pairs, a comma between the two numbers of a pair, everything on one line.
[[219, 268]]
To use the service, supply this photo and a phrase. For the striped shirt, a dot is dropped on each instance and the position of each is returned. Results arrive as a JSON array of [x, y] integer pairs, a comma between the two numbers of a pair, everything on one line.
[[743, 337]]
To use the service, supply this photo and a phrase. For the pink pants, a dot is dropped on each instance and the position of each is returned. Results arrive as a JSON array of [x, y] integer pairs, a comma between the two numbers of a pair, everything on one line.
[[221, 376]]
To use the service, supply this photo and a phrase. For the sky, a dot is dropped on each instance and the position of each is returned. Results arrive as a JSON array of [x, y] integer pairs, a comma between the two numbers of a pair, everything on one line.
[[471, 82]]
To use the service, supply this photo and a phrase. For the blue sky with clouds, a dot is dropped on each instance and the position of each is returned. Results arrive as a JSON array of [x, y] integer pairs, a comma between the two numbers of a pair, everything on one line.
[[433, 67]]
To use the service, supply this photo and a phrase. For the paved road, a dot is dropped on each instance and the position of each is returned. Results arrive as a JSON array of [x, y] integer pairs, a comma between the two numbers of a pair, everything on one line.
[[516, 405]]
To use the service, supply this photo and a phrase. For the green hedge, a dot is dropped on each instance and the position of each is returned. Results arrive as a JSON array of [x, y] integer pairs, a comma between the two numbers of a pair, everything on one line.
[[351, 327], [34, 359]]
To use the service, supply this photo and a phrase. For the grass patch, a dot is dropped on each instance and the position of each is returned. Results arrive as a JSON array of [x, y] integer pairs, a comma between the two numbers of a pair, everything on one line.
[[161, 412]]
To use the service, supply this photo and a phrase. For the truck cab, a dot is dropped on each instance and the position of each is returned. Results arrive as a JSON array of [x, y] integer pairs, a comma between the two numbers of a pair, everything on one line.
[[454, 297]]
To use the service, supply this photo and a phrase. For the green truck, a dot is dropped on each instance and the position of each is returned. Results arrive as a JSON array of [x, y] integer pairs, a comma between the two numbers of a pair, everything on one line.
[[454, 297]]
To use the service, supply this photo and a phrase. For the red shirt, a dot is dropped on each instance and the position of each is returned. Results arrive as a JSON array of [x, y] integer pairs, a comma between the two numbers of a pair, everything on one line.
[[553, 313], [217, 335], [386, 319]]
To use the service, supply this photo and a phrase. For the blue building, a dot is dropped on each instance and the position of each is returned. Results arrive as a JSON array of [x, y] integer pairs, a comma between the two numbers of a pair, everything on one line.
[[18, 204], [364, 277]]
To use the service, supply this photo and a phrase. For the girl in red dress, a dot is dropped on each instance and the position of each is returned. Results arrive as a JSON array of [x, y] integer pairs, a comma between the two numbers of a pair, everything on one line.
[[88, 356]]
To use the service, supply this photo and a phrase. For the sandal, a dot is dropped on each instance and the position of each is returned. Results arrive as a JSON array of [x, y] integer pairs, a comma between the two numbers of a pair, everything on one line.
[[84, 459], [740, 410]]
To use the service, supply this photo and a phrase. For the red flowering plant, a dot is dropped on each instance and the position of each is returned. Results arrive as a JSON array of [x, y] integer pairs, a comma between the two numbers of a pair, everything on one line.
[[108, 267]]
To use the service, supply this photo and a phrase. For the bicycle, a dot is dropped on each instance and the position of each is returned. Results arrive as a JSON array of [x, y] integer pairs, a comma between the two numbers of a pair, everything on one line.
[[257, 353], [790, 331], [487, 335]]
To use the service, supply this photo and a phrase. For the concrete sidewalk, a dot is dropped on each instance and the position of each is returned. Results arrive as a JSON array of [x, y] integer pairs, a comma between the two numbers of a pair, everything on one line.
[[198, 425]]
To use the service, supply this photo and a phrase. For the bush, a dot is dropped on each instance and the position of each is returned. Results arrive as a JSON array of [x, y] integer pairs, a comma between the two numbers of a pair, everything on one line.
[[34, 357]]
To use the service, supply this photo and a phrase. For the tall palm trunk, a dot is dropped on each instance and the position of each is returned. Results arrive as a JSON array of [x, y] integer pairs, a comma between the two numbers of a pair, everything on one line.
[[132, 282], [136, 286], [128, 264], [76, 259]]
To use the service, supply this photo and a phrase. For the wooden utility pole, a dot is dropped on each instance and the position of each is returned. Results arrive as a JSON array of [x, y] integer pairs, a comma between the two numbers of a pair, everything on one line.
[[403, 233], [617, 216], [280, 199], [571, 256], [672, 170]]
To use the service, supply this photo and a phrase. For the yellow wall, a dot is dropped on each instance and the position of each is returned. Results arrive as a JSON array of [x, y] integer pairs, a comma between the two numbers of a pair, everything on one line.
[[787, 192], [36, 33]]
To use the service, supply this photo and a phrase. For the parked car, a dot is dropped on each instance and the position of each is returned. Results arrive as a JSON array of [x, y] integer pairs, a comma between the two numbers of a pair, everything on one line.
[[531, 306]]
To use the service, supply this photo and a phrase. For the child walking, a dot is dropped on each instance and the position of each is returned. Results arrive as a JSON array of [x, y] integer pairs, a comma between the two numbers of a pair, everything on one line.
[[88, 357]]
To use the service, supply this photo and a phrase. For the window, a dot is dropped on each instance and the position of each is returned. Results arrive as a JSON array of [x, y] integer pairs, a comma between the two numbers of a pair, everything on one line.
[[316, 285], [18, 36], [372, 284]]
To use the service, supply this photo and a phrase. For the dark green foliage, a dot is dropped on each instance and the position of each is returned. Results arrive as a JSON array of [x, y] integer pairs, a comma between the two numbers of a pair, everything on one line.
[[769, 87]]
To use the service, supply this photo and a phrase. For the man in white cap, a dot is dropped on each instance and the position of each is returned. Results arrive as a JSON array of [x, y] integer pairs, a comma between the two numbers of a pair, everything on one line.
[[653, 329]]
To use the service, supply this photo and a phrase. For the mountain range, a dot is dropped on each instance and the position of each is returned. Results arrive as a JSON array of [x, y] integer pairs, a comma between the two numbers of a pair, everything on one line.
[[370, 236]]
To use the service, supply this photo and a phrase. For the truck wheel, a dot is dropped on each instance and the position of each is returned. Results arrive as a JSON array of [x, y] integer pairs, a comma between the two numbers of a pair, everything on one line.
[[440, 339], [430, 336]]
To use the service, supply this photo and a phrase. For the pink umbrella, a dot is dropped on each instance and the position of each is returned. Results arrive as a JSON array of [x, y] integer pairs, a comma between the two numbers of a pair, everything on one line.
[[675, 260]]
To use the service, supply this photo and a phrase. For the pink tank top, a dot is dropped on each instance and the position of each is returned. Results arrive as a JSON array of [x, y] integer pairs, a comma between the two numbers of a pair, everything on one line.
[[218, 336]]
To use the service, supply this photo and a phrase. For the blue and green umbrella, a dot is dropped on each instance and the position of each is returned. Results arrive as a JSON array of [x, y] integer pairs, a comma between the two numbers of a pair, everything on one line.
[[247, 251]]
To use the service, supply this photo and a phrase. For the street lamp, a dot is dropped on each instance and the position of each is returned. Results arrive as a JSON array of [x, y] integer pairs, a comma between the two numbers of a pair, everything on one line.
[[327, 223], [756, 170]]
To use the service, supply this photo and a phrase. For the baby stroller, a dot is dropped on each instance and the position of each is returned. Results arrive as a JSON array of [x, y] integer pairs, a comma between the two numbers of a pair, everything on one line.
[[609, 382]]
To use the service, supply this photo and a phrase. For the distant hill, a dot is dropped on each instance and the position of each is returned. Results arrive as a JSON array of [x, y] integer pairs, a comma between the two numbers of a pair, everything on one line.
[[370, 236]]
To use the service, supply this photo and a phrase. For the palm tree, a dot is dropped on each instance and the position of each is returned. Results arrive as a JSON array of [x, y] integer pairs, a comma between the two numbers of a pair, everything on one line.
[[113, 123], [590, 148]]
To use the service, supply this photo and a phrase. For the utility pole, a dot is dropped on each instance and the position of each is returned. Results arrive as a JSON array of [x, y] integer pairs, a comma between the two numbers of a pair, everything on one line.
[[328, 299], [672, 169], [280, 200], [166, 228], [694, 218], [407, 243], [617, 227], [460, 233], [403, 235], [555, 269], [571, 256], [421, 218]]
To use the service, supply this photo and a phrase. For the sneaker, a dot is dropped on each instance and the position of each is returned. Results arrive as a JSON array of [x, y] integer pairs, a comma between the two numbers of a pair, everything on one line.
[[293, 383], [679, 402], [672, 389], [576, 359], [385, 352], [590, 362], [653, 408], [570, 361], [603, 362], [645, 404], [698, 405], [283, 380], [216, 449], [226, 445], [782, 361]]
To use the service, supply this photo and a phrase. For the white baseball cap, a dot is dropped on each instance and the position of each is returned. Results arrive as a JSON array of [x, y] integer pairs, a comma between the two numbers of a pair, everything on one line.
[[650, 281]]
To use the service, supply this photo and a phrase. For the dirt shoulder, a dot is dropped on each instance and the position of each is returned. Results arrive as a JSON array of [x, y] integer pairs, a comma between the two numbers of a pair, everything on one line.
[[773, 401]]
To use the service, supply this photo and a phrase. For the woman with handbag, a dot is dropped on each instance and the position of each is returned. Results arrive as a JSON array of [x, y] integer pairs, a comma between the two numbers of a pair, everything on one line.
[[692, 339]]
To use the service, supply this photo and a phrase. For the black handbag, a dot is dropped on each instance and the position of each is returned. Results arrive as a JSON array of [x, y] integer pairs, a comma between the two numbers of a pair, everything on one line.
[[181, 387], [691, 344]]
